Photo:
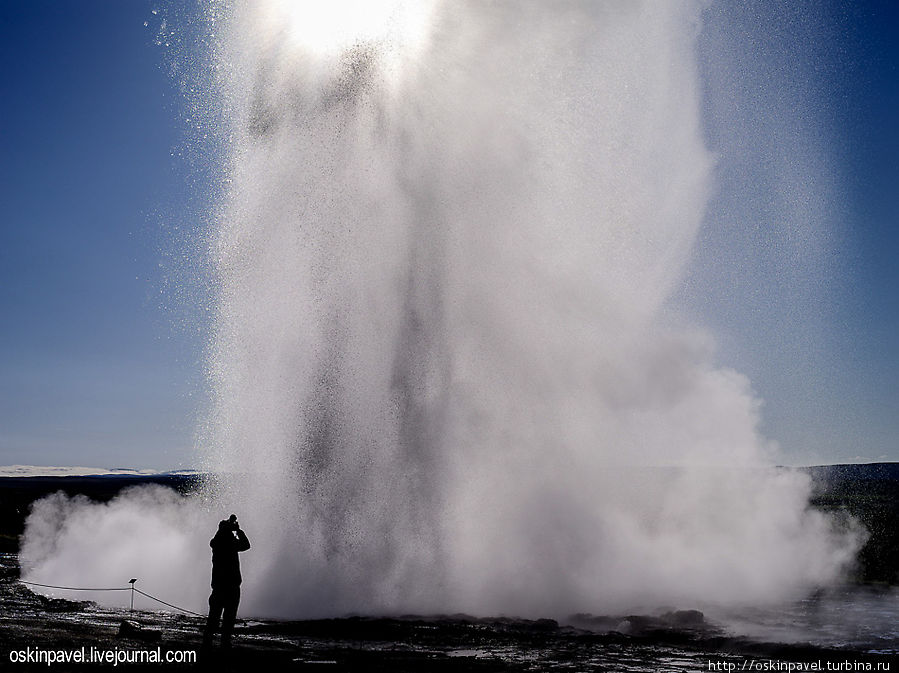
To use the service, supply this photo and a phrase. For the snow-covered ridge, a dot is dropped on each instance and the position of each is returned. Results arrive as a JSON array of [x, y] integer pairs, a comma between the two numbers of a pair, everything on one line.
[[71, 471]]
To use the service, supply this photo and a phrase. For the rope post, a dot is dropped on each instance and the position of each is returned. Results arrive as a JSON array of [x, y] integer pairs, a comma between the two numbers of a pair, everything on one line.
[[131, 582]]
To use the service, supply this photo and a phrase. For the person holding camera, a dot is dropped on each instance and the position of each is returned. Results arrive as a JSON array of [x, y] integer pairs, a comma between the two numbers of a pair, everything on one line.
[[225, 596]]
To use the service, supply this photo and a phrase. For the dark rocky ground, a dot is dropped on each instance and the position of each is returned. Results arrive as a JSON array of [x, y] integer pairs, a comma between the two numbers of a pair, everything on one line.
[[679, 641]]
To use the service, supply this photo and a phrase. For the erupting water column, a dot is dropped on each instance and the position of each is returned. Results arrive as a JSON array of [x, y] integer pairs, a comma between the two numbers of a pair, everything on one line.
[[445, 372]]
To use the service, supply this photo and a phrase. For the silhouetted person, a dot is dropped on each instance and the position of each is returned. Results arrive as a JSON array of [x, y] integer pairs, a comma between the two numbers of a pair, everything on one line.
[[225, 596]]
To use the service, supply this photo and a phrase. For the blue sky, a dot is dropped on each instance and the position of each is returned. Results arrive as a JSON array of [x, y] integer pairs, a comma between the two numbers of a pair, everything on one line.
[[795, 269], [101, 352], [97, 365]]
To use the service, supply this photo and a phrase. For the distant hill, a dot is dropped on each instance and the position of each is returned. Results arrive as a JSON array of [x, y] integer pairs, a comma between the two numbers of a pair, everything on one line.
[[17, 493], [868, 492], [854, 472]]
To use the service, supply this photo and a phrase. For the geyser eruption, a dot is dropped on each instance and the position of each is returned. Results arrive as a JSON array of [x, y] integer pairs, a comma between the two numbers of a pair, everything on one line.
[[444, 360], [446, 370]]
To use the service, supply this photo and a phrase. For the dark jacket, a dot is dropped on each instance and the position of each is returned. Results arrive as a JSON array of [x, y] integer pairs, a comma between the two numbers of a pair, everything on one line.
[[225, 564]]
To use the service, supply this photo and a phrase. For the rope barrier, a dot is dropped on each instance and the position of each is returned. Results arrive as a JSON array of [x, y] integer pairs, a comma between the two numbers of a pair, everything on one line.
[[138, 591], [51, 586], [135, 589]]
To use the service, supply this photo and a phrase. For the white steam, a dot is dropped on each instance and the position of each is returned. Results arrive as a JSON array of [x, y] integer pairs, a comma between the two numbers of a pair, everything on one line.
[[446, 373], [148, 532]]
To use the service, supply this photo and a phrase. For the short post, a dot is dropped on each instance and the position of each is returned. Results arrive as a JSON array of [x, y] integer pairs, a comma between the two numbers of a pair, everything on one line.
[[131, 582]]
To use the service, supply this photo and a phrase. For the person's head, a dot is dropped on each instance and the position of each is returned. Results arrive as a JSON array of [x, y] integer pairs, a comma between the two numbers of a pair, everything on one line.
[[229, 524]]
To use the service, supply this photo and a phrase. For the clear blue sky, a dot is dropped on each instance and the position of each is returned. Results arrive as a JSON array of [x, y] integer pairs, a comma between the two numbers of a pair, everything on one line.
[[101, 354], [98, 364], [796, 270]]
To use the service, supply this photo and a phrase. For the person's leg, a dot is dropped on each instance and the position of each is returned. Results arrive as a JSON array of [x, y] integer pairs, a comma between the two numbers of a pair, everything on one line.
[[215, 612], [230, 614]]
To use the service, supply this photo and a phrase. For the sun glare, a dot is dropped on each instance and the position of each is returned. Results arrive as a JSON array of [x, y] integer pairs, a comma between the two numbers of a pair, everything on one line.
[[326, 27]]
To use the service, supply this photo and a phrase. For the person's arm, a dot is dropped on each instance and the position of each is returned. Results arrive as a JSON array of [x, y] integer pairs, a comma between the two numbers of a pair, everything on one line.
[[242, 542]]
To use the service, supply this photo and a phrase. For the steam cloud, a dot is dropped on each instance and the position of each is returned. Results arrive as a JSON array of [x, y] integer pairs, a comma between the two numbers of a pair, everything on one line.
[[147, 532], [447, 374]]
